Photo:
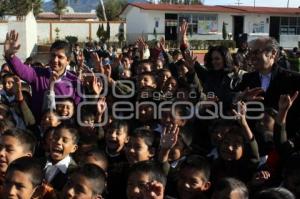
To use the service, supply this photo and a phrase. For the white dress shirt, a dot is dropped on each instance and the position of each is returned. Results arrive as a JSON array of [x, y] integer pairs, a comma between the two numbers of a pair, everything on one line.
[[52, 170]]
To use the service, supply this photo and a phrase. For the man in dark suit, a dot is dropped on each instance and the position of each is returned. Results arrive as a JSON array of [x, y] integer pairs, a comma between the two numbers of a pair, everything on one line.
[[269, 80]]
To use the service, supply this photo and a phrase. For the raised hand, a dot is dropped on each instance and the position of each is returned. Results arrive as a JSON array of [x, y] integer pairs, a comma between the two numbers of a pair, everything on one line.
[[11, 45], [284, 104], [169, 137], [162, 43], [252, 94], [101, 107], [97, 86], [107, 72], [183, 32], [240, 113], [153, 190], [285, 101], [189, 58], [261, 177], [97, 61], [141, 43]]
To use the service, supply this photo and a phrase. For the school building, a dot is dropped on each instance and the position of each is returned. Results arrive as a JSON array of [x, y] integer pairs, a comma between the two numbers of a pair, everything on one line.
[[206, 22]]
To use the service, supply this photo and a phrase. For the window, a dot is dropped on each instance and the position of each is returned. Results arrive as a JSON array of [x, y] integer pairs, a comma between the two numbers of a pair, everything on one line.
[[200, 23], [290, 25]]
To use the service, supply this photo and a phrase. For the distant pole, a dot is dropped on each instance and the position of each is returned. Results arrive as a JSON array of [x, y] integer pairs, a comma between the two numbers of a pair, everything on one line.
[[254, 3], [238, 2], [288, 3]]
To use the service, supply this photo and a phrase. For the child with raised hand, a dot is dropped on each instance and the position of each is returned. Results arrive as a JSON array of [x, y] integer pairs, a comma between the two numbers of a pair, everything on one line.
[[146, 180], [12, 96], [280, 134], [238, 151], [141, 145], [60, 163], [287, 150]]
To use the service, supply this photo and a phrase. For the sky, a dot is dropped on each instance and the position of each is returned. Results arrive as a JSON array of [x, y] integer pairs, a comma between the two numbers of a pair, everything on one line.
[[270, 3]]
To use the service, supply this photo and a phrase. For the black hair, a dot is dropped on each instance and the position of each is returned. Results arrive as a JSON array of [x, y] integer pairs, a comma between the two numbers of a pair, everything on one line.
[[29, 166], [146, 134], [199, 163], [186, 137], [235, 132], [50, 111], [275, 193], [62, 45], [146, 61], [25, 138], [95, 174], [72, 130], [182, 110], [226, 56], [69, 99], [153, 169], [237, 60], [8, 75], [161, 71], [227, 185], [118, 124], [98, 154], [6, 124], [147, 73], [86, 114]]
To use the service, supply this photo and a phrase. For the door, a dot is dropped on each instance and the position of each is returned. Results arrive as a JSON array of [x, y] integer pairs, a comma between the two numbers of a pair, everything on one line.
[[171, 23], [275, 28], [238, 27]]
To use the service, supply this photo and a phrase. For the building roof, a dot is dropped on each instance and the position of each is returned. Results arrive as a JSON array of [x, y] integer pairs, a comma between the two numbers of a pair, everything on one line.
[[217, 8], [67, 16]]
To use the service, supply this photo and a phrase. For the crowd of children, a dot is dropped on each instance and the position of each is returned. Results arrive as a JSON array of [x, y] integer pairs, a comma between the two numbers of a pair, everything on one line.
[[149, 123]]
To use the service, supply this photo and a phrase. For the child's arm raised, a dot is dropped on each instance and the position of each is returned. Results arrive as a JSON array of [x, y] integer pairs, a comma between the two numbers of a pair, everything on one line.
[[284, 104], [240, 115], [11, 47], [167, 141], [26, 112]]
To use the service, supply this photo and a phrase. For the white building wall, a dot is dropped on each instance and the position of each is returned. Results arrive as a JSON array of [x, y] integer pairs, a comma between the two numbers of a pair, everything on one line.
[[137, 26], [80, 30], [114, 30], [3, 31], [43, 32], [27, 30]]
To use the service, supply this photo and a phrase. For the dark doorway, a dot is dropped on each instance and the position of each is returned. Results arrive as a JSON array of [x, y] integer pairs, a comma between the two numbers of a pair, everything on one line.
[[171, 23], [238, 27], [274, 28]]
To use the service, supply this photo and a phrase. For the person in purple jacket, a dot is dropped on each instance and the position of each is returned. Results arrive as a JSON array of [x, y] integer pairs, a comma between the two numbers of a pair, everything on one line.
[[66, 84]]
